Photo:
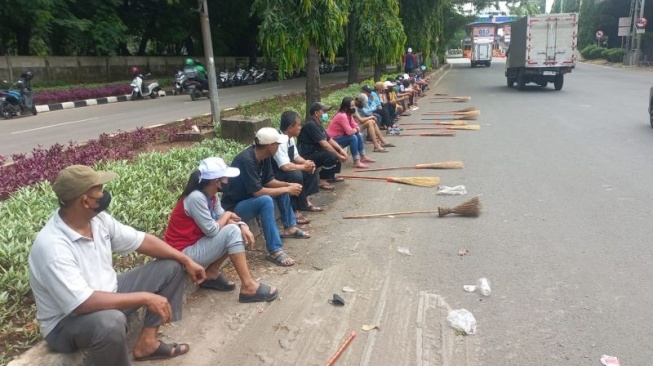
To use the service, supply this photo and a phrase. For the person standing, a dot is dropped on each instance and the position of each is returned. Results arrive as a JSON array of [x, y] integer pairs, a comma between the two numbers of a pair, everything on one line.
[[409, 62]]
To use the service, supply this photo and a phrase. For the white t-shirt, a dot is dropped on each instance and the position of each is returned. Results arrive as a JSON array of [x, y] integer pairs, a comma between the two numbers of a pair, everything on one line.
[[281, 157], [66, 267]]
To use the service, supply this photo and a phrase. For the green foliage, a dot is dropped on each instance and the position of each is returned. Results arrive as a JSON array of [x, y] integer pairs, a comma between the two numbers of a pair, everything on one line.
[[379, 37], [527, 7], [615, 55], [587, 51]]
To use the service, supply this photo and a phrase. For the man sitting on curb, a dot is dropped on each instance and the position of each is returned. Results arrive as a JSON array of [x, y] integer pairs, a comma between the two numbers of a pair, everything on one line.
[[315, 144], [289, 166], [81, 302], [250, 194]]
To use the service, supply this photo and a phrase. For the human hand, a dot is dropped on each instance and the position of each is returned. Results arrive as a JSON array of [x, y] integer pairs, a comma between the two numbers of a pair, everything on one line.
[[159, 305], [248, 237], [294, 189], [342, 157], [235, 217], [195, 271]]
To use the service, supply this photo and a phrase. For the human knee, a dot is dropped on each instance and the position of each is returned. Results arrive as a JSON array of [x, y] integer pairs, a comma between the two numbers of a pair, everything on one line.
[[110, 328]]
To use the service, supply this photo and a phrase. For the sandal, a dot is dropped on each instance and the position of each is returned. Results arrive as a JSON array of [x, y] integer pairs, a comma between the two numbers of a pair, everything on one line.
[[328, 187], [219, 284], [338, 179], [297, 234], [381, 150], [301, 220], [389, 144], [262, 295], [165, 351], [280, 259], [312, 208]]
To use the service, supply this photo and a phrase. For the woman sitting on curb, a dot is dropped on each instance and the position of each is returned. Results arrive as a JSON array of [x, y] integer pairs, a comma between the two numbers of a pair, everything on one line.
[[369, 124], [200, 228], [346, 132]]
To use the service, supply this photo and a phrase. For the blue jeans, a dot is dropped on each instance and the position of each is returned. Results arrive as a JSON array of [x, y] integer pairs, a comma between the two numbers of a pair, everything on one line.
[[355, 142], [263, 207]]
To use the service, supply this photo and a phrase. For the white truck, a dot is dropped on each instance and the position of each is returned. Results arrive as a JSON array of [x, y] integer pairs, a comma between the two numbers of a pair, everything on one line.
[[542, 50], [482, 36]]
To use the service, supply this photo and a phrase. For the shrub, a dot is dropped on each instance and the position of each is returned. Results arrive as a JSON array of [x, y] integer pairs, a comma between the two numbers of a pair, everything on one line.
[[587, 51], [596, 53], [71, 95], [615, 55]]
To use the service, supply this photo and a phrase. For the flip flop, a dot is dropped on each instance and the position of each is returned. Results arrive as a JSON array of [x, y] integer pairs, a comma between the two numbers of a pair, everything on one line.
[[165, 351], [262, 295], [219, 284], [381, 150], [301, 220], [328, 187], [278, 260], [338, 179], [298, 234], [389, 144], [312, 208]]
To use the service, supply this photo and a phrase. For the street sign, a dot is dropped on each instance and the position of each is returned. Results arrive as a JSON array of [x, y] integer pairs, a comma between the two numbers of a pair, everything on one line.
[[623, 31], [641, 22], [624, 22], [599, 34]]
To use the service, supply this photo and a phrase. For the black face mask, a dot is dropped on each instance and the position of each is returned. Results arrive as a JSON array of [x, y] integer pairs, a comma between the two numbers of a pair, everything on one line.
[[352, 110], [104, 202]]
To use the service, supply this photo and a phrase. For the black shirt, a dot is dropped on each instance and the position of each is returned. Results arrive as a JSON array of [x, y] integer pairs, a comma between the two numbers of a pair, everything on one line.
[[310, 136], [253, 176]]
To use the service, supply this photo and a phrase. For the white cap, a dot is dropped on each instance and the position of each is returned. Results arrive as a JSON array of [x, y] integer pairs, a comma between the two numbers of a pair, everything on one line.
[[406, 77], [410, 50], [388, 84], [268, 135], [214, 168]]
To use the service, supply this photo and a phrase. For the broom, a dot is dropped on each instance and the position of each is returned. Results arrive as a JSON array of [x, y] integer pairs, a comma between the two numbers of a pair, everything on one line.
[[449, 97], [468, 109], [455, 122], [455, 127], [453, 100], [413, 181], [471, 208], [439, 165], [431, 134], [462, 115]]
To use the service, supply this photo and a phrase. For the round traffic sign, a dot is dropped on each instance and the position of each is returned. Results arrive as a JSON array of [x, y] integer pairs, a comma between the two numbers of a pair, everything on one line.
[[641, 22], [599, 34]]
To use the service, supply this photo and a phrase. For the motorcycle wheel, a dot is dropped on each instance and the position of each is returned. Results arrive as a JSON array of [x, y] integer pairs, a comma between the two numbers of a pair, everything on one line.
[[34, 111], [5, 110], [134, 95], [154, 94], [195, 94]]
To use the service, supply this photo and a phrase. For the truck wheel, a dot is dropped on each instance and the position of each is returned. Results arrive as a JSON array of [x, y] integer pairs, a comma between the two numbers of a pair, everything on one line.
[[559, 81], [488, 64], [521, 82], [544, 84], [473, 64], [650, 116], [510, 81]]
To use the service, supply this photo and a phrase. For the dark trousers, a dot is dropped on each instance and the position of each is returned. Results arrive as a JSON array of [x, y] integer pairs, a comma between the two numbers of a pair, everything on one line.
[[386, 119], [309, 186], [327, 161], [103, 334]]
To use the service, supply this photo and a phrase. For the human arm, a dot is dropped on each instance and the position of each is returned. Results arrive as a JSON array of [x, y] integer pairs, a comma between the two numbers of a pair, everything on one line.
[[334, 147]]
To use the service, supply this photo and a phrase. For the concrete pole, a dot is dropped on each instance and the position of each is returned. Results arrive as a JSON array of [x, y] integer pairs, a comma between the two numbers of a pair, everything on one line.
[[210, 62], [638, 51]]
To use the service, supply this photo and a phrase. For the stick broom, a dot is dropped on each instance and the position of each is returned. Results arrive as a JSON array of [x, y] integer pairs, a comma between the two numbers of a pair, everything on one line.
[[471, 208], [413, 181], [439, 165], [344, 346]]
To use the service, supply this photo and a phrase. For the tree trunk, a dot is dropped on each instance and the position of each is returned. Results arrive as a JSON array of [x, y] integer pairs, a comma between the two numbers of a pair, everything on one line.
[[23, 36], [142, 47], [352, 52], [312, 76], [377, 70]]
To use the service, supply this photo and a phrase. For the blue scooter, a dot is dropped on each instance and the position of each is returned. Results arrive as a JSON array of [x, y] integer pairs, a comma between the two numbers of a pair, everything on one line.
[[20, 101]]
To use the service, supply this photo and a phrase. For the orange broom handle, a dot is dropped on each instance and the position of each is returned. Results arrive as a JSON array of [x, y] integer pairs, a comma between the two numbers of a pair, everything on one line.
[[337, 355], [360, 177]]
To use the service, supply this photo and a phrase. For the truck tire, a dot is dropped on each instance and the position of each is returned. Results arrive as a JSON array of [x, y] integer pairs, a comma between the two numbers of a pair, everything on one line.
[[510, 81], [559, 81], [473, 64], [521, 82], [544, 84], [488, 64]]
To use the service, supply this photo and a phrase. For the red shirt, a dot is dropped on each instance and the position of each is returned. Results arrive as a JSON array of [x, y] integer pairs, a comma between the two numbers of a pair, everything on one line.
[[182, 231]]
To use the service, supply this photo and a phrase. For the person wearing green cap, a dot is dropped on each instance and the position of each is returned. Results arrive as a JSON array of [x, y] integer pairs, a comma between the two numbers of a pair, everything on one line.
[[81, 302]]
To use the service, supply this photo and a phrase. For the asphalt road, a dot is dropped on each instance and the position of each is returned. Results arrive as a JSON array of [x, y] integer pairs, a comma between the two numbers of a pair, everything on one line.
[[20, 135], [564, 239]]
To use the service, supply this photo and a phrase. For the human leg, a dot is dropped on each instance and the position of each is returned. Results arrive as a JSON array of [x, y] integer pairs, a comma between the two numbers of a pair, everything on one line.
[[262, 206], [360, 141], [329, 164]]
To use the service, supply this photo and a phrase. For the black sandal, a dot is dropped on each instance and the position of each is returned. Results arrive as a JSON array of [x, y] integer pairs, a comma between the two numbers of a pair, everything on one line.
[[219, 284]]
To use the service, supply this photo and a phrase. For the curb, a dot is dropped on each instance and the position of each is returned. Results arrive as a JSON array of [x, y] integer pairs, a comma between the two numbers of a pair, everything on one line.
[[88, 102]]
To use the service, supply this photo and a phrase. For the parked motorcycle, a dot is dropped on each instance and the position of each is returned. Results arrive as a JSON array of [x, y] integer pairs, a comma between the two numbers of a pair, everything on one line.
[[181, 83], [140, 90], [20, 101]]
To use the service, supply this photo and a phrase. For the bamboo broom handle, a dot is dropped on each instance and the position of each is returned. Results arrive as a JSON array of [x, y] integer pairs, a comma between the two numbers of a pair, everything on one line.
[[357, 177], [337, 355], [388, 168], [389, 214]]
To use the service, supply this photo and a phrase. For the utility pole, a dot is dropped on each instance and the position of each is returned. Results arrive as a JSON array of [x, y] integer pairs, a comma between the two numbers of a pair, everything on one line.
[[210, 62], [638, 54]]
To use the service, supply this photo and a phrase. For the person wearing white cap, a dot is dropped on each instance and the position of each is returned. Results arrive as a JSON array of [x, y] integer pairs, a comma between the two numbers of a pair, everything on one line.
[[200, 228], [251, 194], [408, 62]]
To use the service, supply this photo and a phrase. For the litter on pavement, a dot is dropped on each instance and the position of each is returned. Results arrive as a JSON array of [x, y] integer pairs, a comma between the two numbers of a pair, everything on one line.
[[462, 320]]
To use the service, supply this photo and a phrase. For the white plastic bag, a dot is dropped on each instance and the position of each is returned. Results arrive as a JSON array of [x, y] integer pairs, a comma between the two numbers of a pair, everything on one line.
[[462, 320], [452, 191], [482, 286]]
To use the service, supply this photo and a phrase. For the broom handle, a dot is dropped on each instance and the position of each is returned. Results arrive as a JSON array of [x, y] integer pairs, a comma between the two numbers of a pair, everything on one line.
[[360, 177], [388, 168], [389, 214], [337, 355]]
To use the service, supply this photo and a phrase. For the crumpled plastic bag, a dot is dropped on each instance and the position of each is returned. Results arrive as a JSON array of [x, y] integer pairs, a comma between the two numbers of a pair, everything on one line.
[[462, 320], [452, 191]]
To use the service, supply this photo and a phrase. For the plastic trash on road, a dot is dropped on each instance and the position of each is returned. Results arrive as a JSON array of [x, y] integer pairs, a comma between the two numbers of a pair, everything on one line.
[[403, 250], [482, 286], [452, 191], [609, 360], [462, 320]]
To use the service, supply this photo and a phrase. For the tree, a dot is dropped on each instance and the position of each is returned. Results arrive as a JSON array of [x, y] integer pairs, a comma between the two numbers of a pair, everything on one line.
[[527, 7], [21, 20], [296, 32], [379, 32]]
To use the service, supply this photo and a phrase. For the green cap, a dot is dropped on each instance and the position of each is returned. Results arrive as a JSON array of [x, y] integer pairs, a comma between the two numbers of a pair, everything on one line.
[[75, 180]]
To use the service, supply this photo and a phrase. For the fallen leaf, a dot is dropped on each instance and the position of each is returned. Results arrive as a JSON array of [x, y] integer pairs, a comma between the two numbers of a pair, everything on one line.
[[462, 252], [368, 327]]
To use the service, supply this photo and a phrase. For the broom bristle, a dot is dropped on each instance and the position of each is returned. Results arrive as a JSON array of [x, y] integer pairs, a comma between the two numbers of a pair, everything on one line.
[[441, 165], [442, 133], [471, 208], [465, 127], [452, 123], [416, 181]]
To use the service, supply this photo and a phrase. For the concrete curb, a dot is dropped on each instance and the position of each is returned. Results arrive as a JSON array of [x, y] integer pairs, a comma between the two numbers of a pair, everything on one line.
[[88, 102]]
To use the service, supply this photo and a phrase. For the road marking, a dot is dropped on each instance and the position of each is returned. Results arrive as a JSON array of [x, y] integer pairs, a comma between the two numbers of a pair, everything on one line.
[[55, 125], [274, 87]]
